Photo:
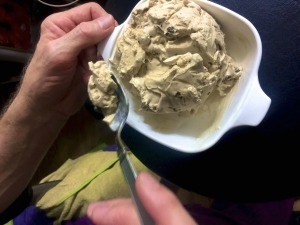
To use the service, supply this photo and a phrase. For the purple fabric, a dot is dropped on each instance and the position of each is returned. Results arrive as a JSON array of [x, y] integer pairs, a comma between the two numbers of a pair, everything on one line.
[[110, 148], [227, 213], [32, 216], [221, 213]]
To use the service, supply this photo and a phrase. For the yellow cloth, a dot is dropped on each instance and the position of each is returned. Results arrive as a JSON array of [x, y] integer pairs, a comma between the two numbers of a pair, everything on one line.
[[91, 177]]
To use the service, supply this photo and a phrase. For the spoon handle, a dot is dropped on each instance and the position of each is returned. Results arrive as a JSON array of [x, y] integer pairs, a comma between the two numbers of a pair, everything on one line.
[[130, 175]]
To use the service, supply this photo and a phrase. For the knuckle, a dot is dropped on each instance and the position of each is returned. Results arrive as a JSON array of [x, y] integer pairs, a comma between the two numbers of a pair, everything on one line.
[[94, 5], [46, 23], [85, 30]]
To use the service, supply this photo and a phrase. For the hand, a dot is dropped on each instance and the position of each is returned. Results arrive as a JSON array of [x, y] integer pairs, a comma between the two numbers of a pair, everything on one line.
[[52, 90], [160, 202], [54, 80]]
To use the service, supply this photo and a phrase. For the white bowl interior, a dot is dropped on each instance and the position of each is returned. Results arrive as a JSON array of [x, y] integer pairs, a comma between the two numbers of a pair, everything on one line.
[[200, 131]]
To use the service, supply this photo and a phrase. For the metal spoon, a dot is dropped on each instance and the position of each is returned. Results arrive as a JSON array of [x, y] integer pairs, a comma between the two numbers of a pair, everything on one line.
[[105, 49], [125, 162]]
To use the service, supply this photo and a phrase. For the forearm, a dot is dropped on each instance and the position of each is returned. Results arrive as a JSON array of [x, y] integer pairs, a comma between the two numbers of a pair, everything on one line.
[[25, 137]]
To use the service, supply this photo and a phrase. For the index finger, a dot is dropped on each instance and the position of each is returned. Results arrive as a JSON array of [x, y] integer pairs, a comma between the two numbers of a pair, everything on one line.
[[69, 19]]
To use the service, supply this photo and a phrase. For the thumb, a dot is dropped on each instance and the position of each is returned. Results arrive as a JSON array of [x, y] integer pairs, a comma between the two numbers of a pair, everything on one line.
[[163, 206], [89, 33]]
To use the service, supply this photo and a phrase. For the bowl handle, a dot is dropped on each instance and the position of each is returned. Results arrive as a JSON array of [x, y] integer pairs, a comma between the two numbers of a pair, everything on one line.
[[255, 107]]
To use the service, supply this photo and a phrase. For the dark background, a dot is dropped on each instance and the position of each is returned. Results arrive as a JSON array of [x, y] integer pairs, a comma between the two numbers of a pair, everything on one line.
[[249, 163]]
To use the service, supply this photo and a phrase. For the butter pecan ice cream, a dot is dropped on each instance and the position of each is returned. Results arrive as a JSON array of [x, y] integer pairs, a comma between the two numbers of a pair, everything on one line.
[[172, 54]]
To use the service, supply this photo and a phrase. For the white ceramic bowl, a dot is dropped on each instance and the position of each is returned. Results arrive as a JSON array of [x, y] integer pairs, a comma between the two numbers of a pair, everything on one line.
[[247, 104]]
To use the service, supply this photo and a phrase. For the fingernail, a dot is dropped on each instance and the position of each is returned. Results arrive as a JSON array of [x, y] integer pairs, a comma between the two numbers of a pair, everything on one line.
[[99, 208], [106, 21], [148, 181]]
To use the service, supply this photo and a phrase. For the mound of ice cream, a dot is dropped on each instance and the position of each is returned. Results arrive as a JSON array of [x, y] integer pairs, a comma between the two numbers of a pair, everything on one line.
[[172, 55], [102, 90]]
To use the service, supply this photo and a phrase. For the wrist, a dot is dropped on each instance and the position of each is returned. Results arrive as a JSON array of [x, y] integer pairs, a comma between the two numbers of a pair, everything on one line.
[[24, 110], [26, 134]]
